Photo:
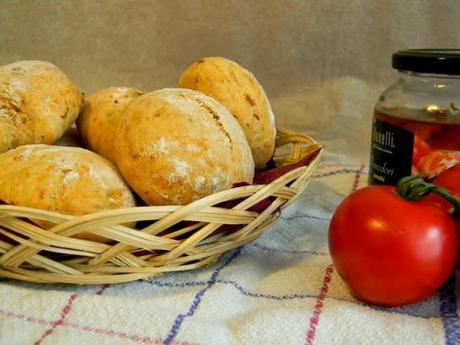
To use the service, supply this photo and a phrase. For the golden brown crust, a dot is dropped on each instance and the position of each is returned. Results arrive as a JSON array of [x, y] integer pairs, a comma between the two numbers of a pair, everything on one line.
[[38, 103], [97, 123], [68, 180], [238, 90], [176, 146]]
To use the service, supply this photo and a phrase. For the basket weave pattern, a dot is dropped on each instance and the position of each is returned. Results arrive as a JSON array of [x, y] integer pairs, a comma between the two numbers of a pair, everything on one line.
[[175, 238]]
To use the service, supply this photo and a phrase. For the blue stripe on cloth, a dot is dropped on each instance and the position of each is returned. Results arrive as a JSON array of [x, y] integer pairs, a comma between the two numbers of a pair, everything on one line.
[[235, 284], [178, 285], [448, 311], [286, 251], [336, 172], [245, 292], [290, 296], [175, 328], [302, 216]]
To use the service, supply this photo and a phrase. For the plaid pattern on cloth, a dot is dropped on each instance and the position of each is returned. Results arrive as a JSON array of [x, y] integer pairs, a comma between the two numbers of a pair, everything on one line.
[[282, 289]]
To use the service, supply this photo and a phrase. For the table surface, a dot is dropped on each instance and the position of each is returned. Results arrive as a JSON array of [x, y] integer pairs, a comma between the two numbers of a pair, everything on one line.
[[281, 289]]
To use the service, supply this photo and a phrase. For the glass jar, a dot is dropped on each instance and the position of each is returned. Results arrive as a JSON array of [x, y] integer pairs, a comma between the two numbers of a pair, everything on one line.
[[416, 123]]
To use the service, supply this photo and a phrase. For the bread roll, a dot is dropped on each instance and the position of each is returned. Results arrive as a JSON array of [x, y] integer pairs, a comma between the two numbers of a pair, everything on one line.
[[97, 123], [38, 103], [178, 145], [68, 180], [238, 90]]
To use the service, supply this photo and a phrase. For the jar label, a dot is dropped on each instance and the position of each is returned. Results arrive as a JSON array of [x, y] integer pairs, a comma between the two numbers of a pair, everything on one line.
[[391, 153]]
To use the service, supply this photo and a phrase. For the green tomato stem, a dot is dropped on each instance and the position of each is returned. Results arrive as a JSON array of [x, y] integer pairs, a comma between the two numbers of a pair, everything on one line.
[[414, 188]]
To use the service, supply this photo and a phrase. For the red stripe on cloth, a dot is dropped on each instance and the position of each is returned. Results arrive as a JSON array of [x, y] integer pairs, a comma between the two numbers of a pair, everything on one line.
[[314, 319], [65, 311], [357, 178], [10, 314], [105, 332]]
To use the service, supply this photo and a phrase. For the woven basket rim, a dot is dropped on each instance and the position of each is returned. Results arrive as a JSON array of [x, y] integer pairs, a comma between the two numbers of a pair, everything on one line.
[[180, 237]]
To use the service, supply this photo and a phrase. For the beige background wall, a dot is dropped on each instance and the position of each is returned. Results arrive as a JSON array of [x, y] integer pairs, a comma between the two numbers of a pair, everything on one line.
[[323, 63]]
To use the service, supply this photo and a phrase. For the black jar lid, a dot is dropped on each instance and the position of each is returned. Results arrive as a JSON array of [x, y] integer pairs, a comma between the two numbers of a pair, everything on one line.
[[437, 61]]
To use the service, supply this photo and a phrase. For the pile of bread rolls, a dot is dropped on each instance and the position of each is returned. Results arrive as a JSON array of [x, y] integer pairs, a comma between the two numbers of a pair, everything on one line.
[[170, 146]]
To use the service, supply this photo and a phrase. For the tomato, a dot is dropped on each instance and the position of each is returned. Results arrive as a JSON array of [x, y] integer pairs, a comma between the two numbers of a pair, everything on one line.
[[437, 161], [424, 131], [421, 149], [447, 139], [391, 251], [449, 179]]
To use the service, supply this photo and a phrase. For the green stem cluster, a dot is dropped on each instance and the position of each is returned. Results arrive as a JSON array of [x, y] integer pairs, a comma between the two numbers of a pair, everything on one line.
[[414, 188]]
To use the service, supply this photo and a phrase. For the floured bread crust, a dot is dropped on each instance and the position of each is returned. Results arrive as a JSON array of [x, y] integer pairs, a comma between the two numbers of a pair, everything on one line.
[[97, 123], [176, 146], [238, 90], [68, 180], [38, 103]]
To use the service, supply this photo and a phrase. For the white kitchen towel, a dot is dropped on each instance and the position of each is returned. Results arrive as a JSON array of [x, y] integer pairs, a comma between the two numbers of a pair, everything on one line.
[[282, 289]]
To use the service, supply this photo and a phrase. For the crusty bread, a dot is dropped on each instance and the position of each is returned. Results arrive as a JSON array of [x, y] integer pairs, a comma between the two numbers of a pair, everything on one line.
[[97, 123], [238, 90], [68, 180], [176, 146], [38, 103]]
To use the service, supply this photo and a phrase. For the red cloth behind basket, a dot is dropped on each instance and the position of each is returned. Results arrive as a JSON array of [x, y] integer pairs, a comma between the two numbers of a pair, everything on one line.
[[265, 177]]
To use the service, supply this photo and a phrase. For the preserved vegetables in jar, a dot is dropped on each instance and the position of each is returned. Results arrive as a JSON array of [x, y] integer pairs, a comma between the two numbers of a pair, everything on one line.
[[416, 122]]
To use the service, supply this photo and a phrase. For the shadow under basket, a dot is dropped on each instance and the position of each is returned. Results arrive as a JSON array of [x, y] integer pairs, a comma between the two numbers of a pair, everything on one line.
[[169, 238]]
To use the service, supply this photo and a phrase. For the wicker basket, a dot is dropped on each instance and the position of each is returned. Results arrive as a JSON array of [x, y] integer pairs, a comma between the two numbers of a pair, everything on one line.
[[173, 238]]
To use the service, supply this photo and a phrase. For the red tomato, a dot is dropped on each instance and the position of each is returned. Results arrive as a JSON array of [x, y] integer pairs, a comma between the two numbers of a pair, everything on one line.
[[447, 139], [424, 131], [421, 149], [391, 251], [449, 179], [438, 161]]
